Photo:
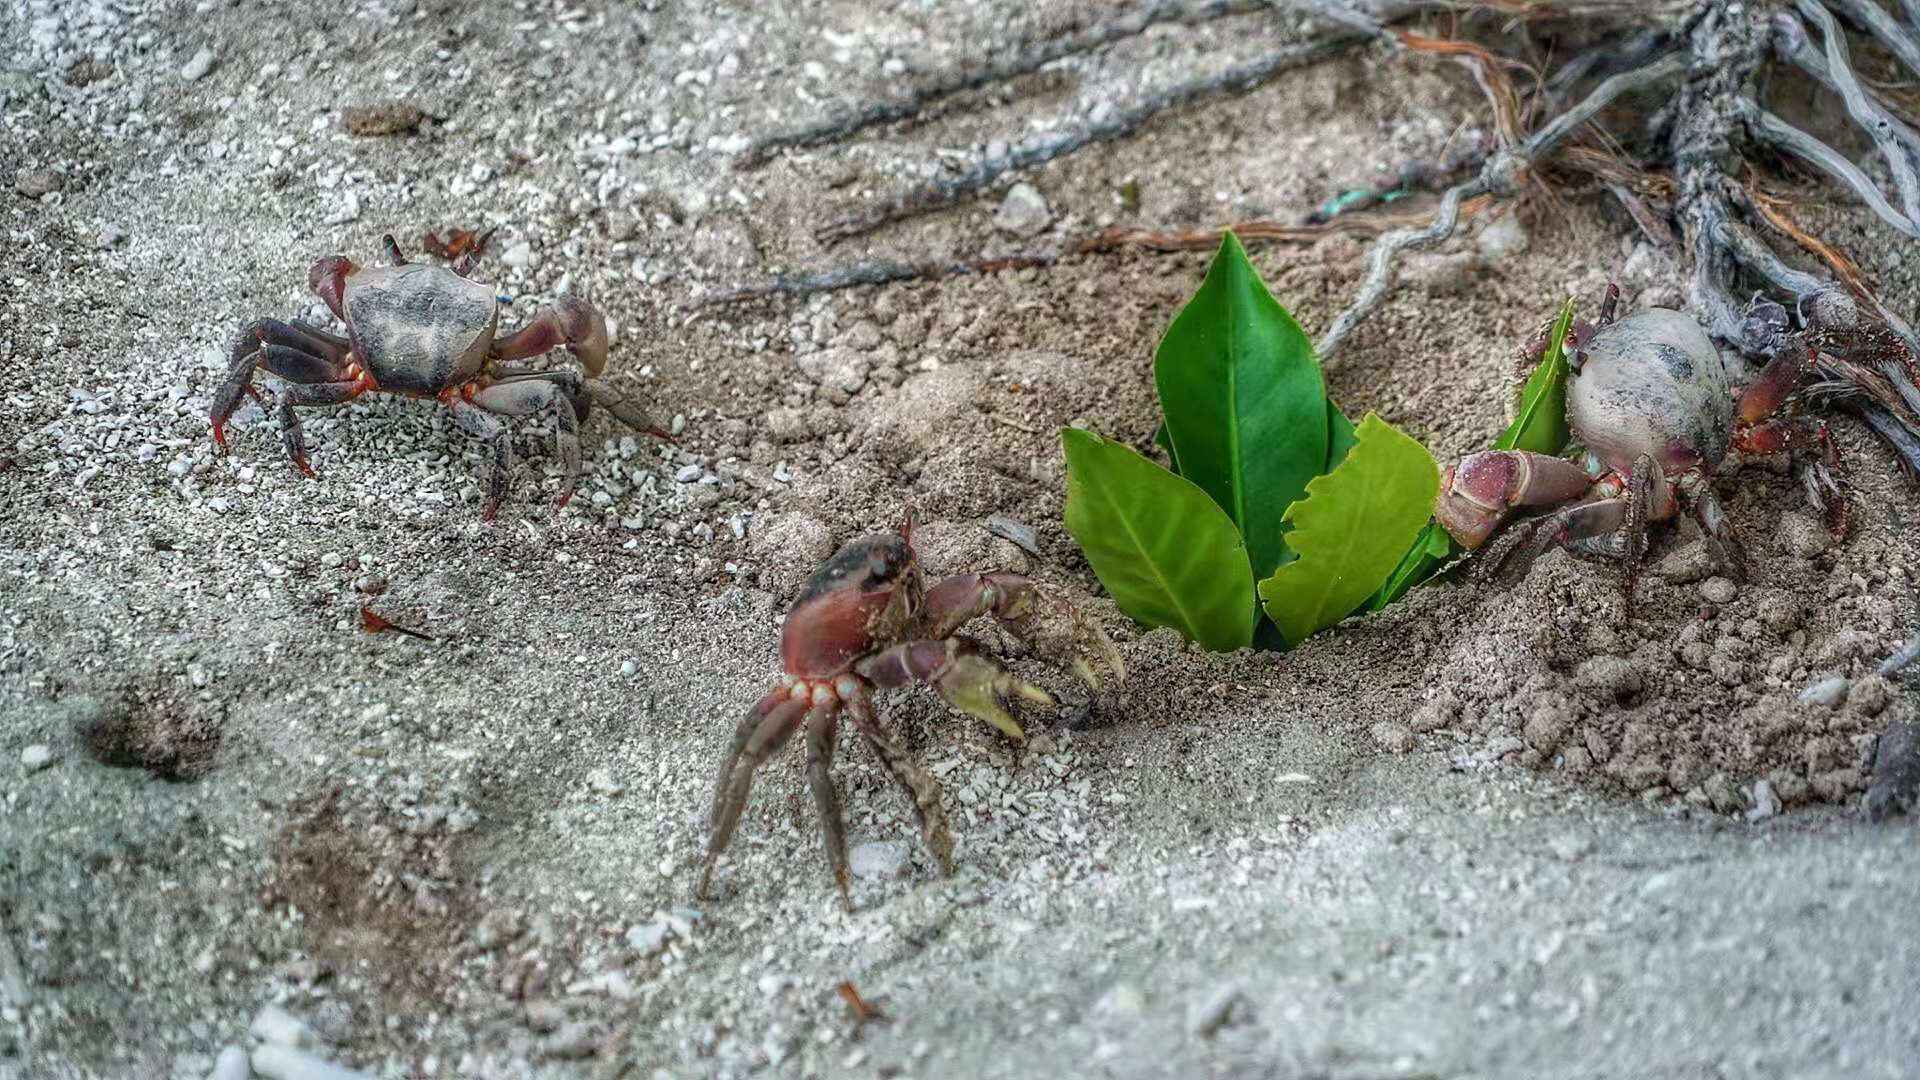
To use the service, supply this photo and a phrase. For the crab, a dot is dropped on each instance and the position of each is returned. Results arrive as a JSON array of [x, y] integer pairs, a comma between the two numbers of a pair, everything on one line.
[[866, 620], [1650, 401], [426, 331]]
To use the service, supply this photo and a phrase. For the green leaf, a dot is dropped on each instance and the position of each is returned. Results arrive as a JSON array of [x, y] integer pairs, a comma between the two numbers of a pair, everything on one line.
[[1351, 530], [1246, 407], [1169, 556], [1540, 423]]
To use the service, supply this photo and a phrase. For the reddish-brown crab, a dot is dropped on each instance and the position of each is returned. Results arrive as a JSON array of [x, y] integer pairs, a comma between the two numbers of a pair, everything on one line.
[[864, 620], [1648, 398], [427, 331]]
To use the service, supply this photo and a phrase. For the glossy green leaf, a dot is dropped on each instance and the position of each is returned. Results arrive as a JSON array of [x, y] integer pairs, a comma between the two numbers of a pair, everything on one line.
[[1246, 408], [1351, 530], [1163, 549], [1540, 423]]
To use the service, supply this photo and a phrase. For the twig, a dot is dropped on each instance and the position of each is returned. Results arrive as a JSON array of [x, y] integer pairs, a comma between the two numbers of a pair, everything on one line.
[[876, 272], [1608, 57], [1881, 25], [1876, 123], [1775, 132], [1379, 270], [947, 84], [939, 194], [1771, 210], [1793, 45], [1753, 253], [1500, 177], [881, 272], [1487, 72]]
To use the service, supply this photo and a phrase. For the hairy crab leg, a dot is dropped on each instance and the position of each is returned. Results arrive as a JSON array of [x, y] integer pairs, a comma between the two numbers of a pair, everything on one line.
[[826, 801], [525, 397], [1696, 491], [770, 732], [310, 395], [920, 786], [295, 352]]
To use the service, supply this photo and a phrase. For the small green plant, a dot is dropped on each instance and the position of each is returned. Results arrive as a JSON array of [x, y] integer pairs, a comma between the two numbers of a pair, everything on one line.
[[1275, 501]]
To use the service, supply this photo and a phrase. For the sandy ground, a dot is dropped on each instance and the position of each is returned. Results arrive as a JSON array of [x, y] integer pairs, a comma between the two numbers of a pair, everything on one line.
[[1489, 834]]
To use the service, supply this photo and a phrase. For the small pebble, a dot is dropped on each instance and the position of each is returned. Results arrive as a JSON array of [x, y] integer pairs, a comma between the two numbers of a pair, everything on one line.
[[520, 255], [601, 780], [544, 1015], [1019, 534], [390, 118], [1718, 590], [1503, 238], [196, 68], [1803, 535], [1023, 212], [1686, 565], [687, 474], [1609, 675], [878, 860], [231, 1065], [36, 757], [36, 183], [1765, 802], [648, 939], [1828, 692], [1571, 846], [1870, 695], [573, 1041], [628, 667]]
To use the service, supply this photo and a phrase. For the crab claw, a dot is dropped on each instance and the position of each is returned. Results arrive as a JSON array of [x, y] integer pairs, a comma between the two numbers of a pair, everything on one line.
[[568, 321], [1052, 628], [963, 673], [975, 684], [586, 333]]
